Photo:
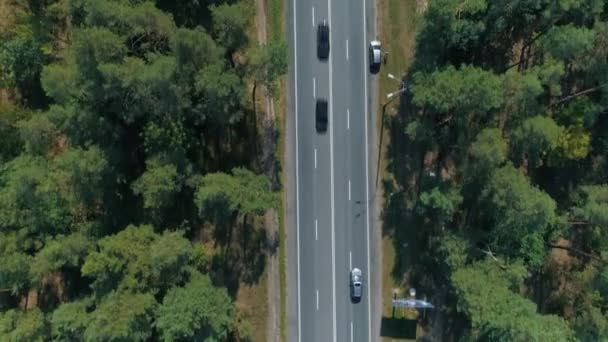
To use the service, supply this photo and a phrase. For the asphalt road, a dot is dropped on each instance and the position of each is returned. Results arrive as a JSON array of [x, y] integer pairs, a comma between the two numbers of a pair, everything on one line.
[[329, 177]]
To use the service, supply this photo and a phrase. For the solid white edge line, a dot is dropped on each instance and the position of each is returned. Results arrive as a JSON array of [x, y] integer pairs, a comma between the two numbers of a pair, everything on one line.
[[331, 148], [295, 56], [365, 63]]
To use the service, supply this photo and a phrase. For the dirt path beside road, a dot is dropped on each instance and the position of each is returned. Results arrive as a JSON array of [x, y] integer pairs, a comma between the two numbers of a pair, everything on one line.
[[273, 333]]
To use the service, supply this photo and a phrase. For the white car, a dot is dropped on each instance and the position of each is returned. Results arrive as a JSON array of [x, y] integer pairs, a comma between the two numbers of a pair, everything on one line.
[[375, 56], [356, 284]]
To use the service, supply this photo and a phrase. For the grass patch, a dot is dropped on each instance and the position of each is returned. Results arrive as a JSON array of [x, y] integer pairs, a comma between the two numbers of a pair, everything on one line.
[[396, 325], [252, 309], [276, 30], [397, 28], [276, 20]]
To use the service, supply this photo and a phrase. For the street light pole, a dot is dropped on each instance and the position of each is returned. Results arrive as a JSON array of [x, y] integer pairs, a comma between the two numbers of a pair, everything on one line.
[[390, 97]]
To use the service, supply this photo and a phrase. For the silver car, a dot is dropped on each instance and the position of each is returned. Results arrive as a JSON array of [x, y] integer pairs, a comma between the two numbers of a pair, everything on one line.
[[375, 56], [356, 284]]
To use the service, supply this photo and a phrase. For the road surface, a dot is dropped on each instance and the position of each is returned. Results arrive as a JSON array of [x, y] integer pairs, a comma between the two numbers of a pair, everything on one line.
[[329, 178]]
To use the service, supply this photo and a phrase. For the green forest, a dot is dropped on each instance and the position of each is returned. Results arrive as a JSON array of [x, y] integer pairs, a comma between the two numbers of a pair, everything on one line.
[[131, 183], [499, 164]]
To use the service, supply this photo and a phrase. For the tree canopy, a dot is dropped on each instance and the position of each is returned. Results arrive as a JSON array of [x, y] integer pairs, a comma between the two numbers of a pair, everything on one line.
[[117, 118], [499, 159]]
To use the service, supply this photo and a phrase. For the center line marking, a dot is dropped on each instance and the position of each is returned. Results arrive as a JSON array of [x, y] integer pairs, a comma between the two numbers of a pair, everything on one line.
[[317, 300], [315, 158], [349, 189], [347, 49], [317, 230], [347, 118], [313, 16], [314, 87]]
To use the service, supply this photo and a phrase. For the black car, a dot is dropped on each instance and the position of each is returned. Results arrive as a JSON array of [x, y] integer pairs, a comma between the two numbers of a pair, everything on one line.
[[323, 40], [321, 115]]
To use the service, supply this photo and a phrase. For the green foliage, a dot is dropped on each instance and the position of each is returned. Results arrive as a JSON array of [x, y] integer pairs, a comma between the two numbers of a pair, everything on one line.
[[522, 92], [11, 144], [463, 90], [591, 324], [591, 205], [269, 63], [79, 175], [198, 311], [61, 253], [137, 259], [168, 139], [21, 61], [28, 199], [122, 317], [230, 22], [497, 84], [70, 320], [440, 205], [223, 91], [535, 138], [38, 134], [488, 296], [221, 195], [30, 325], [452, 251], [521, 215], [574, 143], [489, 148], [158, 185], [132, 104], [193, 50], [568, 41], [15, 272], [580, 112]]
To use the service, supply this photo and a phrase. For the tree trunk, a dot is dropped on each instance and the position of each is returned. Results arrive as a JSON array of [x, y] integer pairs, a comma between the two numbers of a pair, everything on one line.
[[580, 93], [578, 252]]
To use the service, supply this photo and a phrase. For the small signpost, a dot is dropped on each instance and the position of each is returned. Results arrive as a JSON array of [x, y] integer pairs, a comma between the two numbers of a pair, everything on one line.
[[412, 302]]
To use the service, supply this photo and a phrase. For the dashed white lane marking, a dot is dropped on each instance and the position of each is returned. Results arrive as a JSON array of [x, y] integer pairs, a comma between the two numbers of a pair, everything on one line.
[[313, 16], [316, 229], [347, 118], [349, 189], [347, 49], [315, 158], [314, 87], [350, 260], [317, 300]]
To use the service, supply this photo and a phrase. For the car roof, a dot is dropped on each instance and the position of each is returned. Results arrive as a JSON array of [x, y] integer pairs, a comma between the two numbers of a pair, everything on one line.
[[376, 55], [375, 43]]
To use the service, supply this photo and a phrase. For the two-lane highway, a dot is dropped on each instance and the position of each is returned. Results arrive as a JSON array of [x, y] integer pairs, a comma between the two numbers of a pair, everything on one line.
[[329, 206]]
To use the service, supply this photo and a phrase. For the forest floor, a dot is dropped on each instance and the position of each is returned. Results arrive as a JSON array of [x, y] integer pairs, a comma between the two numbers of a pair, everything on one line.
[[397, 21], [268, 128]]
